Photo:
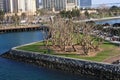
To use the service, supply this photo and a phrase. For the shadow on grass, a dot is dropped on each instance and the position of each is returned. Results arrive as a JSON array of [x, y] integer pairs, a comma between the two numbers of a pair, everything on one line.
[[109, 43], [69, 54]]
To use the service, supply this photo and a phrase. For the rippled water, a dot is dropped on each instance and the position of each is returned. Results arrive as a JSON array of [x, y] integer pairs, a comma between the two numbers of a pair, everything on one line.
[[12, 70], [109, 21]]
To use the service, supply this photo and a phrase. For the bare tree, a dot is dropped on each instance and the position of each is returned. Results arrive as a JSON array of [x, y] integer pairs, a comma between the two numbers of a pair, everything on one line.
[[66, 34], [62, 33], [90, 40]]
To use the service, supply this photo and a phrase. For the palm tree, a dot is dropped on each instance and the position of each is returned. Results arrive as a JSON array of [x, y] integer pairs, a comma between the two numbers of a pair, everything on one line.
[[1, 16], [23, 15], [15, 19]]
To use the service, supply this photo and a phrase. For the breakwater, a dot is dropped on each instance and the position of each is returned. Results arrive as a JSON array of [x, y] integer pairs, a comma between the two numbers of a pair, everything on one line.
[[81, 67]]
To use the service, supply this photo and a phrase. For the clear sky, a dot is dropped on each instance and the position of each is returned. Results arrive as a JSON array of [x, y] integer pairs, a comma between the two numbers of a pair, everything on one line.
[[104, 1]]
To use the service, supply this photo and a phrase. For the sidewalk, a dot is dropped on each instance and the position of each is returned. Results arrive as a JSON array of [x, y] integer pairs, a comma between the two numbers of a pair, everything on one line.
[[113, 59], [99, 19]]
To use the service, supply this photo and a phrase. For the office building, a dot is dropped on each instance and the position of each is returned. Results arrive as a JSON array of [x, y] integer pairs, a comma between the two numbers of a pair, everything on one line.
[[15, 6], [59, 5], [37, 4], [70, 4], [30, 6], [1, 4], [85, 3], [6, 5], [20, 6]]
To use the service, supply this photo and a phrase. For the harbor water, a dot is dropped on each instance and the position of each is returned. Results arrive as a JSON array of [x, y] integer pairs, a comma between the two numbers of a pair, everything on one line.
[[13, 70]]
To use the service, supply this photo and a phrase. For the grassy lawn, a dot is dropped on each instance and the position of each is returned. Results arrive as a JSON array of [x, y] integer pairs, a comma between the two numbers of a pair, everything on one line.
[[108, 50]]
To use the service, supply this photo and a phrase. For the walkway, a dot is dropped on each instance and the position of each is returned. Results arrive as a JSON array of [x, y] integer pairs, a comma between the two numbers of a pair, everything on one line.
[[99, 19], [113, 59]]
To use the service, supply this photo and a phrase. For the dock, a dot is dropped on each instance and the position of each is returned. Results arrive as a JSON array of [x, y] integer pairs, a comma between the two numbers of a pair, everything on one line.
[[6, 29]]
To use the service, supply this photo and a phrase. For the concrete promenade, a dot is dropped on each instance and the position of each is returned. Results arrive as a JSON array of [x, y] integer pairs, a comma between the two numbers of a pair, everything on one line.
[[99, 19]]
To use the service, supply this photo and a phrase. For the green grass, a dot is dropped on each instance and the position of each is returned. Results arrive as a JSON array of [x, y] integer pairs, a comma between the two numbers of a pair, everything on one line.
[[36, 48], [108, 50]]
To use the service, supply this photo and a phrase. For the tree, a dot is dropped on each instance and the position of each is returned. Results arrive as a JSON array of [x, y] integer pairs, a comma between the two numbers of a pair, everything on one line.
[[62, 33], [23, 15], [63, 13], [68, 34], [75, 12], [41, 12], [69, 14], [115, 10], [15, 19], [87, 14], [88, 40], [2, 15]]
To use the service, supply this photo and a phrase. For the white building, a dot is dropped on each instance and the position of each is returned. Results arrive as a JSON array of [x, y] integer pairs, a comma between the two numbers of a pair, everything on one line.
[[59, 5], [30, 5], [19, 6], [1, 4], [13, 6], [70, 4]]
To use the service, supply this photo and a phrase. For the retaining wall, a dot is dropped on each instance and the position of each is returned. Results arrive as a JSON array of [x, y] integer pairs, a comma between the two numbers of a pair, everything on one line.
[[76, 66]]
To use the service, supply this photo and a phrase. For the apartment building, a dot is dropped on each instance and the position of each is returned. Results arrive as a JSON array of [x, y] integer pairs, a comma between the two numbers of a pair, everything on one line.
[[59, 5], [19, 6], [1, 4]]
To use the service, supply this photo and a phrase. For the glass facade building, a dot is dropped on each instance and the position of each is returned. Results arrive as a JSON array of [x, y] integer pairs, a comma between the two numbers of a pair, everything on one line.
[[85, 3]]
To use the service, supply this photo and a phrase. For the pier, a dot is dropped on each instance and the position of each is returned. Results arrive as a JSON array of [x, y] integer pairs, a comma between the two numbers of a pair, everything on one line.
[[6, 29]]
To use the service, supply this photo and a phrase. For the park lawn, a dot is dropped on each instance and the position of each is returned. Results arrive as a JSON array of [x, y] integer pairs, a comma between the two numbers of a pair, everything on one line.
[[108, 50], [35, 48]]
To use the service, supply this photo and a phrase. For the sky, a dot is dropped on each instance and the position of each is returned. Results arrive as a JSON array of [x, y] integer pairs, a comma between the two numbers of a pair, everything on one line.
[[104, 1], [94, 2]]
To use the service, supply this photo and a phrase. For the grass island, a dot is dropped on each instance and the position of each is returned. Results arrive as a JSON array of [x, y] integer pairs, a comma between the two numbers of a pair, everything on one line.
[[108, 51]]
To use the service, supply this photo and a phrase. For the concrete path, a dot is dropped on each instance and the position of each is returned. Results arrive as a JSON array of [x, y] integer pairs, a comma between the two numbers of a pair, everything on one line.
[[113, 59]]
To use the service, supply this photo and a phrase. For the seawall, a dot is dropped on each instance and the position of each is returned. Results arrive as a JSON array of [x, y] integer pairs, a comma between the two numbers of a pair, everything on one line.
[[102, 71]]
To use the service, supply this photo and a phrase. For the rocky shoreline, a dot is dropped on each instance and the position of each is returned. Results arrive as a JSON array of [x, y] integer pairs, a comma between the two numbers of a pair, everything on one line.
[[75, 66]]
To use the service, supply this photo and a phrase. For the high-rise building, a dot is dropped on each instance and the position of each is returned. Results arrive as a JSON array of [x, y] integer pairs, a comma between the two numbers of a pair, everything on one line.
[[1, 4], [15, 6], [59, 4], [10, 5], [37, 4], [85, 3], [70, 4], [6, 5], [30, 5], [19, 6]]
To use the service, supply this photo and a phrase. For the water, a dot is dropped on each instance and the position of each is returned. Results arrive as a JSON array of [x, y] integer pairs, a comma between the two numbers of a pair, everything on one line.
[[10, 40], [12, 70], [109, 21]]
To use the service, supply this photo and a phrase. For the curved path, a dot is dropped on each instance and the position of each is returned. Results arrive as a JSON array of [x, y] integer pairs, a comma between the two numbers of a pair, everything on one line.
[[113, 59]]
